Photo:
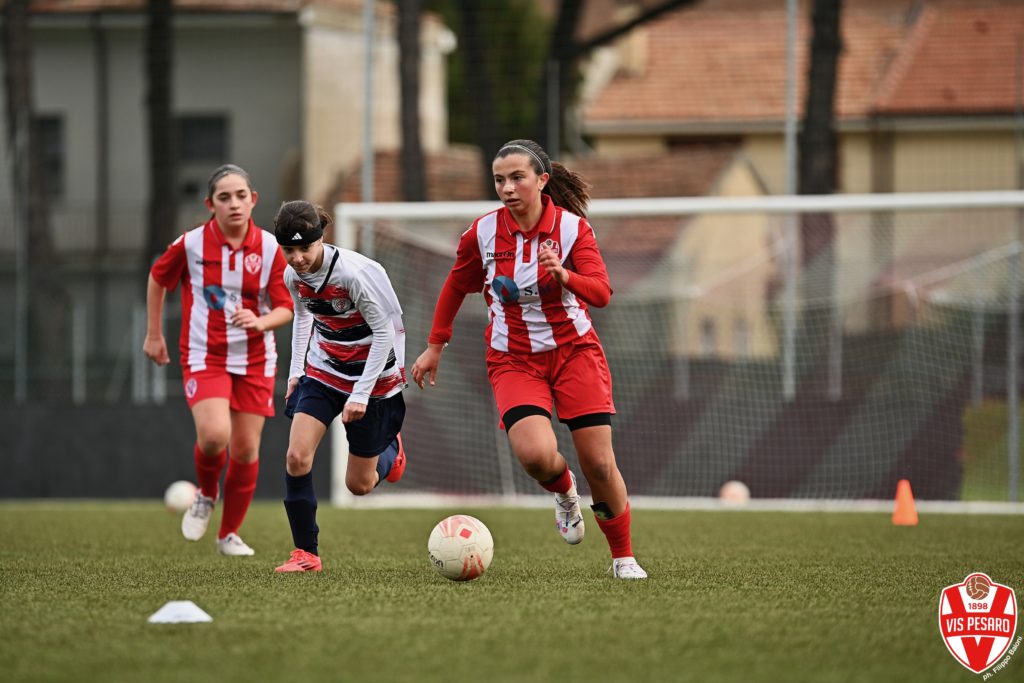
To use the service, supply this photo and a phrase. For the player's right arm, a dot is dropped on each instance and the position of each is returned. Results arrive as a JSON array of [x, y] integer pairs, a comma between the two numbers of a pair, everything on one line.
[[466, 277], [155, 346], [164, 274], [302, 328]]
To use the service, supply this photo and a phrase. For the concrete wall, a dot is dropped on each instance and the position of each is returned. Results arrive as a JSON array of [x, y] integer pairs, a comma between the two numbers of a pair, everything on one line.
[[62, 451], [244, 68]]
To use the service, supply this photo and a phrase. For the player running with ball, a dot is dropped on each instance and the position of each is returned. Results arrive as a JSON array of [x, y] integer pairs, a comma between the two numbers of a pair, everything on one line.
[[537, 263]]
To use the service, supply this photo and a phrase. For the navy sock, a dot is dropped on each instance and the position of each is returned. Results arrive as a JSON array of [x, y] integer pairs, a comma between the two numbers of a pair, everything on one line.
[[386, 460], [300, 504]]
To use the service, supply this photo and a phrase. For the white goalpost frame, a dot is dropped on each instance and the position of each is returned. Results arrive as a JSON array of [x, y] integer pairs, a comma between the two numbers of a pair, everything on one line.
[[348, 217]]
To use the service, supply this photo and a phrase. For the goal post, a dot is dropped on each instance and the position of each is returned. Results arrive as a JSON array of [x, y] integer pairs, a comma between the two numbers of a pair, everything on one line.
[[818, 348]]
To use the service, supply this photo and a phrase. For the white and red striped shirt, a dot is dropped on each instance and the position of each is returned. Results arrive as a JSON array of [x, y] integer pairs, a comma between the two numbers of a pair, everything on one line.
[[529, 312], [348, 332], [216, 281]]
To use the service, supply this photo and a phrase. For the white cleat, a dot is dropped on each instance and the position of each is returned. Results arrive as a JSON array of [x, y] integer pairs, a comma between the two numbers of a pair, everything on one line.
[[234, 546], [197, 517], [627, 568], [568, 517]]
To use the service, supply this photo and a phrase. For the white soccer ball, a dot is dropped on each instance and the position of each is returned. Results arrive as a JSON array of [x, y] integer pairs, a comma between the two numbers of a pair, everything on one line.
[[179, 496], [460, 547], [734, 493]]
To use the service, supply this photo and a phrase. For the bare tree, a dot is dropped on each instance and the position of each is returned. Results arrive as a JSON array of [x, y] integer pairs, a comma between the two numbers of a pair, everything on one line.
[[488, 135], [817, 174], [48, 309], [413, 170], [564, 54], [817, 141], [162, 216]]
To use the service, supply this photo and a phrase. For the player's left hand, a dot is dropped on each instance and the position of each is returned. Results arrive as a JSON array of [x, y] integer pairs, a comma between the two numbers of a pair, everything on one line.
[[352, 412], [550, 262], [247, 320]]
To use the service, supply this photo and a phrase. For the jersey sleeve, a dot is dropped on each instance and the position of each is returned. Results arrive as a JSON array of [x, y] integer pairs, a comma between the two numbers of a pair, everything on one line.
[[465, 277], [589, 276], [169, 269], [374, 296], [302, 326], [277, 290]]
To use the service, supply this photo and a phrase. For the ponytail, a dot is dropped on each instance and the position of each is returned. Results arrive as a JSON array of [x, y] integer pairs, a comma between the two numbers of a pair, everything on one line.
[[566, 188]]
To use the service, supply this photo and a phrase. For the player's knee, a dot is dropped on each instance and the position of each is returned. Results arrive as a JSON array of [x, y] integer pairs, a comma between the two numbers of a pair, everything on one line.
[[536, 455], [298, 463], [598, 469], [213, 442], [359, 486], [246, 451]]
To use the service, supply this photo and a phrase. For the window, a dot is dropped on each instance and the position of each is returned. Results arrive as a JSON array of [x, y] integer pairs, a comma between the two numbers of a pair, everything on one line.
[[50, 141], [202, 146]]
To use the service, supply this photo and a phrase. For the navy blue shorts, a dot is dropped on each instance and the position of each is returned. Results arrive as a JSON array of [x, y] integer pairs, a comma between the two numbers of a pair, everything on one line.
[[367, 437]]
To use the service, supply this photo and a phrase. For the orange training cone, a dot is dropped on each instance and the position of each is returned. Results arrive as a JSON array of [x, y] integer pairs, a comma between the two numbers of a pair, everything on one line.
[[905, 512]]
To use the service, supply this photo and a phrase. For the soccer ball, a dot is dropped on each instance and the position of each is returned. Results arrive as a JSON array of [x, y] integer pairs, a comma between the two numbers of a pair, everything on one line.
[[460, 547], [179, 496], [734, 493]]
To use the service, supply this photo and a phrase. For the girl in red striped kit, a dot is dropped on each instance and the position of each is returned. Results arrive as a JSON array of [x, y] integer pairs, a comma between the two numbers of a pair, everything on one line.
[[233, 295], [537, 264]]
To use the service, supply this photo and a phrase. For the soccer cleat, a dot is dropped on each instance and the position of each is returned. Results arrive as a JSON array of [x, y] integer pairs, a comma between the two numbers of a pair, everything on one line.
[[197, 518], [568, 518], [398, 467], [627, 568], [233, 545], [301, 561]]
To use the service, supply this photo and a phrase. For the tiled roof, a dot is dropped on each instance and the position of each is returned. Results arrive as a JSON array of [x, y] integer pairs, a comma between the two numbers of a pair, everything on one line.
[[283, 6], [456, 175], [957, 60], [719, 62]]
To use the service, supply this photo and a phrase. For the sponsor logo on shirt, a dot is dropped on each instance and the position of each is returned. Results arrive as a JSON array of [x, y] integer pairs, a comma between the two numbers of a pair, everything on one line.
[[506, 255]]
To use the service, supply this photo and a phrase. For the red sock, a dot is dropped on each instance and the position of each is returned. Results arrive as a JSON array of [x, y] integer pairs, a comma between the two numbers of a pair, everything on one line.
[[559, 484], [208, 469], [616, 530], [239, 487]]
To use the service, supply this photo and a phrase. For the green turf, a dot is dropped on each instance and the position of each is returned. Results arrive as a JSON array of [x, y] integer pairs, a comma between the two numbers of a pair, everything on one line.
[[732, 596], [986, 473]]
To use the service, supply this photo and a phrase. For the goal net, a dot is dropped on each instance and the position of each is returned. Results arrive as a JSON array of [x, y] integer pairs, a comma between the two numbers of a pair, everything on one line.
[[817, 348]]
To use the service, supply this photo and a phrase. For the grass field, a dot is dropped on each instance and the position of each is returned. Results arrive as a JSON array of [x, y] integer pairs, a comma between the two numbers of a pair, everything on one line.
[[732, 596]]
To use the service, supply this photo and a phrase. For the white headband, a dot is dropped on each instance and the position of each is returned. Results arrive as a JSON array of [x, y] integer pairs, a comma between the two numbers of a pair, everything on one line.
[[543, 166]]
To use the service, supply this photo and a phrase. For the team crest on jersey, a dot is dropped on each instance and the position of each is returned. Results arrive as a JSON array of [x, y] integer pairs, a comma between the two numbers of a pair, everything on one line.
[[553, 246], [341, 304], [253, 263]]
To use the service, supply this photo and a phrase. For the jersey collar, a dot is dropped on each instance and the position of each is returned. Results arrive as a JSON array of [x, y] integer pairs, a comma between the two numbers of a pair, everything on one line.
[[248, 242], [545, 224]]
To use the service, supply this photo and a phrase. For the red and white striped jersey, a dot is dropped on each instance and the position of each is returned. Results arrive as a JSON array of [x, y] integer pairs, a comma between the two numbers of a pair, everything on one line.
[[348, 332], [529, 311], [216, 281]]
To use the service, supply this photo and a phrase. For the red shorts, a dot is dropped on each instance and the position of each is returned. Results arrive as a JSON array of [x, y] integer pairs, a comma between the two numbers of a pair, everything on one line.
[[574, 378], [247, 393]]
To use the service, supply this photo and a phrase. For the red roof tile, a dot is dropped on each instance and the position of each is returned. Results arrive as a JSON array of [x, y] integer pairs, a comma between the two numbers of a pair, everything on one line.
[[958, 59], [285, 6], [709, 64], [456, 175], [724, 61]]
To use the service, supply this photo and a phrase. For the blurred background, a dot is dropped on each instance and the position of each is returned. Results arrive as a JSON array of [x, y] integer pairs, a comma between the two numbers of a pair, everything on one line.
[[812, 354]]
